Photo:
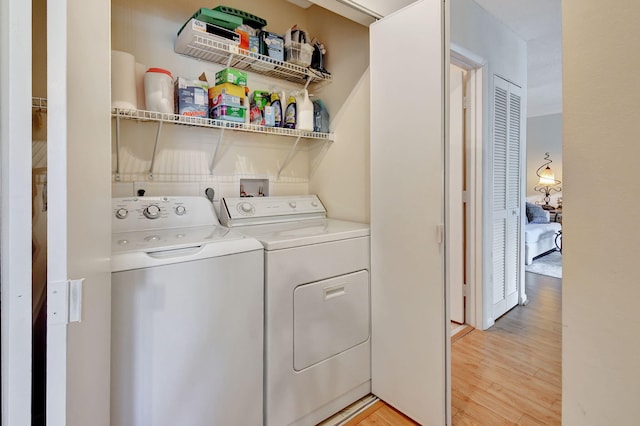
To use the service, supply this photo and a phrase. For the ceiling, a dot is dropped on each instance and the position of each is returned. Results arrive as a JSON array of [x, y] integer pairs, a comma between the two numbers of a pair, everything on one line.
[[539, 23]]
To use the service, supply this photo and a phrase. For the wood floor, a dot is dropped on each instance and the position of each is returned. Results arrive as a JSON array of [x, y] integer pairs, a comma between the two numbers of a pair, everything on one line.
[[509, 374]]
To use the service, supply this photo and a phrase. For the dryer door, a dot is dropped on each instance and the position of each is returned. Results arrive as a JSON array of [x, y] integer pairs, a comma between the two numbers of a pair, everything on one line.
[[330, 317]]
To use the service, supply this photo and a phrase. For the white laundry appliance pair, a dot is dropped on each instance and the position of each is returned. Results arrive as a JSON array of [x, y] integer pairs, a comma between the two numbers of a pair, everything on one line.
[[187, 317], [317, 305]]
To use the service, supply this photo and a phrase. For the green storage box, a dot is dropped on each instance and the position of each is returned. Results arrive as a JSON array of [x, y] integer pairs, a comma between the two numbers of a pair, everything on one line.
[[230, 75], [216, 17], [229, 113], [247, 18]]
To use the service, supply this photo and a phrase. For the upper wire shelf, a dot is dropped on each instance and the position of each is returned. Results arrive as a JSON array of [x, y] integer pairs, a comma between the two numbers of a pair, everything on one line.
[[213, 50]]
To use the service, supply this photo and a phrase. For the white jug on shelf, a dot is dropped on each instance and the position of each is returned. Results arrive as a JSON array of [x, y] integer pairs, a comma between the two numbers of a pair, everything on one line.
[[304, 119], [158, 90]]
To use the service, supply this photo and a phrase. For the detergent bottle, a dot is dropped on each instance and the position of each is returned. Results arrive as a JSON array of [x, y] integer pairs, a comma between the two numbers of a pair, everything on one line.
[[290, 115], [276, 103]]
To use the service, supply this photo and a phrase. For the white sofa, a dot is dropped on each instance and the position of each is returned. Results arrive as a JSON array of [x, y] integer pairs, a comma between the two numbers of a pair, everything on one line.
[[539, 238]]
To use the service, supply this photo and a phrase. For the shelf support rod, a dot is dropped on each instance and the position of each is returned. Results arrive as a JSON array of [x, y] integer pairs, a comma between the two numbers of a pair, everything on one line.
[[155, 149], [117, 145], [215, 152], [289, 156]]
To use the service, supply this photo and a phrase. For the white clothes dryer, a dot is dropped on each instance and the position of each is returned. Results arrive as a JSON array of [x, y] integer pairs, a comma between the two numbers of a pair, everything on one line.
[[317, 305], [187, 322]]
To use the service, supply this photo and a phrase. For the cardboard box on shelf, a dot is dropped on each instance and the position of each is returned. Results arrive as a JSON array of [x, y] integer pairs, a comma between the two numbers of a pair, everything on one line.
[[226, 89], [229, 113], [272, 45], [191, 97], [233, 76]]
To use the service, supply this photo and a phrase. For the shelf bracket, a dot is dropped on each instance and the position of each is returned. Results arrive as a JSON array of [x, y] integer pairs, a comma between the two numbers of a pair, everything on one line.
[[289, 156], [215, 152], [117, 145], [155, 150]]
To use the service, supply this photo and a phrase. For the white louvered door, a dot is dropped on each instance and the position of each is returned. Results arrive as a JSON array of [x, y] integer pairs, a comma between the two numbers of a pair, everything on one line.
[[507, 184]]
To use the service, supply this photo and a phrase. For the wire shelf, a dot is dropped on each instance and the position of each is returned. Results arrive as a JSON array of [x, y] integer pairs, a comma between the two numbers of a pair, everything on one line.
[[140, 115], [214, 50]]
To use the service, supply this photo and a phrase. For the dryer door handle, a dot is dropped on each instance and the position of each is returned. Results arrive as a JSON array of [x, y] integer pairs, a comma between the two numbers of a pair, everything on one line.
[[334, 291]]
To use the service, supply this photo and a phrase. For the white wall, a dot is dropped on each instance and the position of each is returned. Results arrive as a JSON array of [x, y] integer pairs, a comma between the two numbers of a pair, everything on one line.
[[544, 134], [477, 31], [485, 40], [601, 349]]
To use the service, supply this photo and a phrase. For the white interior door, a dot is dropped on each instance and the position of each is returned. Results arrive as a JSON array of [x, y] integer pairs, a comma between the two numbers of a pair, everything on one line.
[[410, 327], [455, 203], [506, 196], [79, 234]]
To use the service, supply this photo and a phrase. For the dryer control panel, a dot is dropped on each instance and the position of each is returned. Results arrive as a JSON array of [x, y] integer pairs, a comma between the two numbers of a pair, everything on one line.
[[240, 211]]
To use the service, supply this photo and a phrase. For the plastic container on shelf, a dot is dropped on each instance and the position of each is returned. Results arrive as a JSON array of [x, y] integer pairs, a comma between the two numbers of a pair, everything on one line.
[[304, 111], [159, 91], [320, 117], [299, 53]]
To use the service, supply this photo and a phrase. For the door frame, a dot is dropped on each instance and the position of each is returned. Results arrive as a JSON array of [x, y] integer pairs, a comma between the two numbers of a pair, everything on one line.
[[15, 202], [476, 69]]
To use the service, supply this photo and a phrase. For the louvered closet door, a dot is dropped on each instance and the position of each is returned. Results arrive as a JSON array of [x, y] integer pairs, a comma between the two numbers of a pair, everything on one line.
[[507, 183]]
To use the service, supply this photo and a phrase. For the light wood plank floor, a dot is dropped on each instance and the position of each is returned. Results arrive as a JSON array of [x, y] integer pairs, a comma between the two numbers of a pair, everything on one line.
[[509, 374]]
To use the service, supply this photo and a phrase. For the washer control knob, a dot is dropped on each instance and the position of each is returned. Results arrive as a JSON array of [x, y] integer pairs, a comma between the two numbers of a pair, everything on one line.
[[245, 207], [121, 213], [151, 212], [181, 210], [314, 204], [292, 204]]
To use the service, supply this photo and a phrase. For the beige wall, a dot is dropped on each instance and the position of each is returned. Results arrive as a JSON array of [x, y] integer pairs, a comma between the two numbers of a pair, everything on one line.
[[340, 175], [601, 349], [148, 30]]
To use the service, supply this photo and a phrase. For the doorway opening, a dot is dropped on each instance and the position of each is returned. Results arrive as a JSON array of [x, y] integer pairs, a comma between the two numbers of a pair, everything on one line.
[[464, 206]]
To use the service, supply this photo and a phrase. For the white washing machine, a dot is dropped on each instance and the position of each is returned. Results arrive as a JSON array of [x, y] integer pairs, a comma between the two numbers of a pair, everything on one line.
[[317, 305], [187, 321]]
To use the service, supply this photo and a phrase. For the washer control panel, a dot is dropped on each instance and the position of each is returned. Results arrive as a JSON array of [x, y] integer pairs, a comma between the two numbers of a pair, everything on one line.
[[144, 213], [236, 211]]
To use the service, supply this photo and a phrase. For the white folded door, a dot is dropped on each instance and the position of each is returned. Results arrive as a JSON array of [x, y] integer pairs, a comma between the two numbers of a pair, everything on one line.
[[507, 183], [409, 319], [79, 215]]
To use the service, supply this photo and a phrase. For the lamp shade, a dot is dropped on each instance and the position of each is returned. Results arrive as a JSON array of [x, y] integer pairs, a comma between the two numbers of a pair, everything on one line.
[[547, 177]]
